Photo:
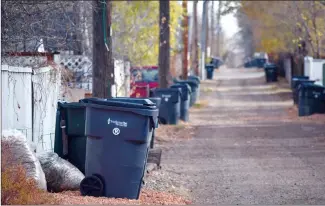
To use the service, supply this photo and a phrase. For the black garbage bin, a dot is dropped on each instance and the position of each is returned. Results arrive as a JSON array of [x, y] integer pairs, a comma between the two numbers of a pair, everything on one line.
[[311, 99], [70, 140], [294, 80], [118, 137], [169, 110], [295, 90], [193, 77], [210, 70], [260, 62], [185, 100], [194, 89], [271, 74], [155, 100]]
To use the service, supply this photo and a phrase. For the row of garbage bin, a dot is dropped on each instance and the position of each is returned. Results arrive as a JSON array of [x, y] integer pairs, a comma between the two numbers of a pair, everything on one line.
[[109, 139], [309, 97]]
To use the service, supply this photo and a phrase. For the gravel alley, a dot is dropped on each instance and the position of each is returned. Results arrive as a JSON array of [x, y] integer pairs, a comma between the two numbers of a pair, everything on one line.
[[249, 147]]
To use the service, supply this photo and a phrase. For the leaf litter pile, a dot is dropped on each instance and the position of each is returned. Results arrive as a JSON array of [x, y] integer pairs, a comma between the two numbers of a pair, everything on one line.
[[147, 197]]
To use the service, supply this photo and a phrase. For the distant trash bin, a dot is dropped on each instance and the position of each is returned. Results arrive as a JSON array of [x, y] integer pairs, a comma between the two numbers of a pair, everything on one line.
[[294, 80], [70, 140], [185, 100], [260, 62], [193, 77], [210, 70], [155, 100], [295, 90], [169, 110], [271, 74], [311, 99], [118, 135], [194, 89]]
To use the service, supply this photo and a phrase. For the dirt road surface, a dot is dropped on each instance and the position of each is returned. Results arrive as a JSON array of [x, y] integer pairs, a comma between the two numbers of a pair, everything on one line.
[[248, 148]]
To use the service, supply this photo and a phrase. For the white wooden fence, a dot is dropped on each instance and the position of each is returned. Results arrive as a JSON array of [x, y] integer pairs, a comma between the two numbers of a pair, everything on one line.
[[314, 69], [29, 102]]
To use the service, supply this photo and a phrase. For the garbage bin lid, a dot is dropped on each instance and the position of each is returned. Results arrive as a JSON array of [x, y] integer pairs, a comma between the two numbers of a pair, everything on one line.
[[193, 84], [144, 104], [65, 104], [299, 77], [154, 100], [209, 66], [194, 77], [146, 109], [184, 87]]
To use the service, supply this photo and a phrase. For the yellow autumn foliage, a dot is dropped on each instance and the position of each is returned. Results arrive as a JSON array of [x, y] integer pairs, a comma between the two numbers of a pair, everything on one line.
[[279, 26], [137, 27]]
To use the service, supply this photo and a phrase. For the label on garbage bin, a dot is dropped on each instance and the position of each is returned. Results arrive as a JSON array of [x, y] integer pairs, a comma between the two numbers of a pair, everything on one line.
[[117, 123], [116, 131], [166, 97]]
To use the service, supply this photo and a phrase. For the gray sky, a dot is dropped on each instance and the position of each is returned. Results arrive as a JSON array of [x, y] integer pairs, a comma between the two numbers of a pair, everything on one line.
[[228, 22]]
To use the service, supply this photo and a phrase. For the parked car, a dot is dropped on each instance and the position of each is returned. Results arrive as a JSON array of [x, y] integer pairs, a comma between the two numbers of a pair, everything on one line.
[[142, 80]]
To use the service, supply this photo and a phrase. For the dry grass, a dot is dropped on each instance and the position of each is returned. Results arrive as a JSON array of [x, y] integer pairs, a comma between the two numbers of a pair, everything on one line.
[[207, 89], [147, 197], [181, 131], [16, 188], [201, 104]]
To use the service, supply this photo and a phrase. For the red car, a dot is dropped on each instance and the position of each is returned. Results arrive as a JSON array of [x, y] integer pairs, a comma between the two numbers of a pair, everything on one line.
[[142, 80]]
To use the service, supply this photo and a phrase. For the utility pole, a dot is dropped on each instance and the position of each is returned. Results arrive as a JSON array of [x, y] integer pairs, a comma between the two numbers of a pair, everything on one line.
[[195, 51], [185, 40], [203, 39], [164, 45], [207, 30], [218, 27], [103, 65]]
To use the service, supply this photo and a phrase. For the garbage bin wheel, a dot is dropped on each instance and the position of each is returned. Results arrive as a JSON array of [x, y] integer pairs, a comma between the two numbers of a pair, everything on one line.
[[92, 186]]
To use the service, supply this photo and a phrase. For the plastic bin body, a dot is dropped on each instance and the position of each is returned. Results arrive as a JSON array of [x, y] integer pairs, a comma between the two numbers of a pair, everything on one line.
[[311, 99], [210, 71], [295, 90], [169, 110], [185, 100], [155, 100], [118, 137], [74, 148], [271, 73], [194, 89], [192, 77]]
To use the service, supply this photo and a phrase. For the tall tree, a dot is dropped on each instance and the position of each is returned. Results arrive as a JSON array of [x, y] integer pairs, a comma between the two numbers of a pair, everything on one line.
[[185, 40], [103, 65], [212, 29], [195, 51], [164, 47]]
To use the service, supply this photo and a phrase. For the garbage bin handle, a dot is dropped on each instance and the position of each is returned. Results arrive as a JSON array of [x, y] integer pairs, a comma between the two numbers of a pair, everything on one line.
[[64, 135]]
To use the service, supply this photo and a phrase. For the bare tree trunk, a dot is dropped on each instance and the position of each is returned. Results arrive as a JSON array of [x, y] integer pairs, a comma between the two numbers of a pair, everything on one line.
[[77, 47], [164, 45], [207, 30], [195, 60], [185, 39], [212, 30], [103, 65], [218, 27]]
